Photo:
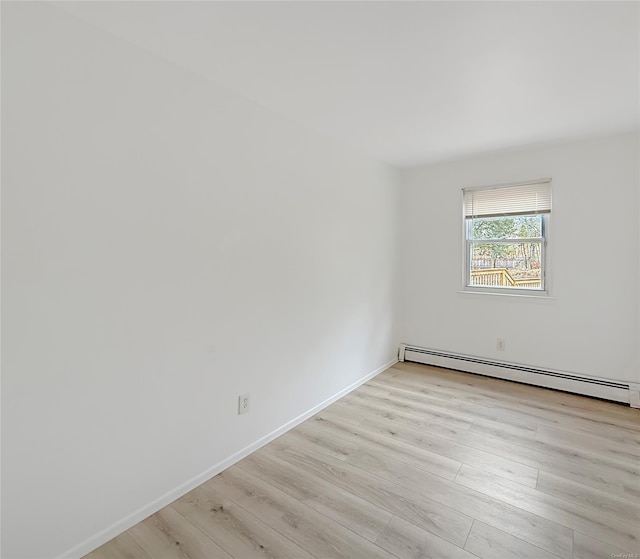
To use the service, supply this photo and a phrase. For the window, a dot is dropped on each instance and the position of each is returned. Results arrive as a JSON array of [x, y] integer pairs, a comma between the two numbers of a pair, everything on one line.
[[506, 237]]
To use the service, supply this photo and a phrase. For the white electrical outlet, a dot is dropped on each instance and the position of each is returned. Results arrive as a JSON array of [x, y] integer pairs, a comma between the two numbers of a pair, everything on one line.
[[500, 344], [243, 403]]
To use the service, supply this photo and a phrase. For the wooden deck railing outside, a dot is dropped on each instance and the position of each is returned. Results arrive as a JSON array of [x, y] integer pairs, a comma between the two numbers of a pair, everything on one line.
[[500, 277]]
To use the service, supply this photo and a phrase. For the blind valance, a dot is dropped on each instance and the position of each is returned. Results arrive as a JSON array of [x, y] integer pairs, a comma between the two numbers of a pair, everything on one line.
[[533, 197]]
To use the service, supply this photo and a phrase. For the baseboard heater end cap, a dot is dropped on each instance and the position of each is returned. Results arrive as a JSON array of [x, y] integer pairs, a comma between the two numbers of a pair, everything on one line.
[[634, 395], [401, 350]]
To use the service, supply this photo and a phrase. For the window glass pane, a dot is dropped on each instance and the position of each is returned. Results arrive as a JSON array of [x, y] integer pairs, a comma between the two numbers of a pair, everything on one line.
[[514, 265], [513, 227]]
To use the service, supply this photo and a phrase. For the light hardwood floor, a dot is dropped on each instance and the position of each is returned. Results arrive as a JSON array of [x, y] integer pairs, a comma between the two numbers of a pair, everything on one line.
[[420, 462]]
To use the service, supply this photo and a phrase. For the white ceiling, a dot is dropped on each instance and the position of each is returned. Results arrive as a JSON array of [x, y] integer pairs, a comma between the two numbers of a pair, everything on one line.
[[407, 82]]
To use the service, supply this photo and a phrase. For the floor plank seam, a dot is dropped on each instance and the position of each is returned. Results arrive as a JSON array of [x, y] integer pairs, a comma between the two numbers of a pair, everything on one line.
[[468, 534]]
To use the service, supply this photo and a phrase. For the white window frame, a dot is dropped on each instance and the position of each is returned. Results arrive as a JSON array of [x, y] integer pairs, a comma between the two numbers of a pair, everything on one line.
[[545, 272]]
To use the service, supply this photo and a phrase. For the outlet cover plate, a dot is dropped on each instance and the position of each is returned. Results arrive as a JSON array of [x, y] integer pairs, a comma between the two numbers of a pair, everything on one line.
[[243, 403]]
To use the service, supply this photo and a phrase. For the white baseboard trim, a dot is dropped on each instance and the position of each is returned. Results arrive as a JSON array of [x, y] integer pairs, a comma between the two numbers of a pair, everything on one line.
[[102, 537]]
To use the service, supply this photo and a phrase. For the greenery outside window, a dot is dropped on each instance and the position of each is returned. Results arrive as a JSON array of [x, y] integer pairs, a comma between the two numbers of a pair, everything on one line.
[[506, 237]]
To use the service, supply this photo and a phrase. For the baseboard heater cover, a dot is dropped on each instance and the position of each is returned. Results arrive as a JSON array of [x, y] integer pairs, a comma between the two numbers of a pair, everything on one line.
[[625, 392]]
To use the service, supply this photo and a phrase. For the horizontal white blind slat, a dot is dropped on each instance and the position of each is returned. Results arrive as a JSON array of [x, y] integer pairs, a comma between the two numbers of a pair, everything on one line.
[[534, 198]]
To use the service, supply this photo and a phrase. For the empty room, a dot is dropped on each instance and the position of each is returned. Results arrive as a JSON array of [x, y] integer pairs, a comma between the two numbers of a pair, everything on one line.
[[320, 280]]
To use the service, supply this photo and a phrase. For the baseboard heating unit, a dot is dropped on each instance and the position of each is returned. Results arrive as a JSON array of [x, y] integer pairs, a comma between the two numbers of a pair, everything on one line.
[[617, 391]]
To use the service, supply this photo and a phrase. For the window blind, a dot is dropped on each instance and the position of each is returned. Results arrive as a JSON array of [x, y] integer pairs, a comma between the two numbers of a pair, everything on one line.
[[533, 197]]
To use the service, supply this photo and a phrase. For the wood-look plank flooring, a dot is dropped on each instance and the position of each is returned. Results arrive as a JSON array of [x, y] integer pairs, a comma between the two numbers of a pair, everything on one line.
[[420, 462]]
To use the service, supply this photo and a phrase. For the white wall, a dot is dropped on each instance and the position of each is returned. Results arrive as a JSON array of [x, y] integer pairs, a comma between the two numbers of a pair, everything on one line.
[[590, 326], [167, 246]]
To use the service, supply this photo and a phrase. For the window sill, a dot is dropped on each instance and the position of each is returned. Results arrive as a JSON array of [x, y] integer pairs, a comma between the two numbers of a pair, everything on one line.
[[541, 296]]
